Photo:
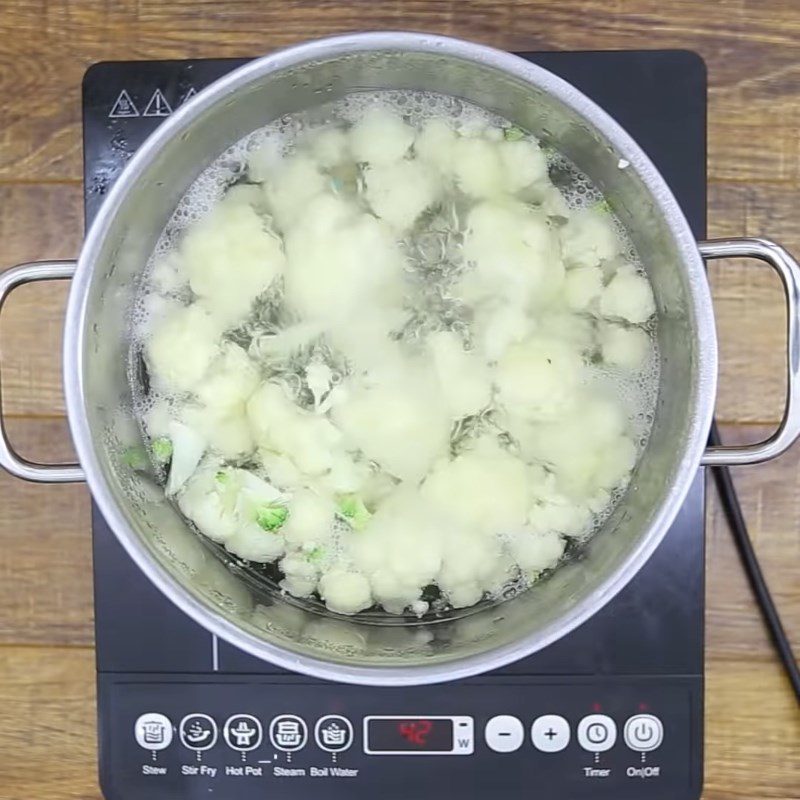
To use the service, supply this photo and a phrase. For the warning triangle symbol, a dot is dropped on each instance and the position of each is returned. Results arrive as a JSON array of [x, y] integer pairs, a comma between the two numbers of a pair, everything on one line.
[[158, 106], [123, 107], [188, 96]]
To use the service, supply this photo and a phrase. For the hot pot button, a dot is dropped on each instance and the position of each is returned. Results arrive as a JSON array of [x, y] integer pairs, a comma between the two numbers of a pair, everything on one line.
[[644, 733], [597, 733]]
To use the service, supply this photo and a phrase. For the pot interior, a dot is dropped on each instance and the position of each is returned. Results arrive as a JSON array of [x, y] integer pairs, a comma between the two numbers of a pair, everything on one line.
[[367, 647]]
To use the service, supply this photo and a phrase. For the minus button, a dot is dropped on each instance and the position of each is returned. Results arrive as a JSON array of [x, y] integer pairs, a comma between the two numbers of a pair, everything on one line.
[[504, 734]]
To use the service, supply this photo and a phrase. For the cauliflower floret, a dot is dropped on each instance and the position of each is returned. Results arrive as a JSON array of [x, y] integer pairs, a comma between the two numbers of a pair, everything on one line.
[[229, 435], [399, 192], [222, 395], [282, 471], [496, 329], [300, 575], [478, 167], [310, 519], [551, 201], [290, 186], [552, 511], [434, 144], [536, 551], [253, 543], [402, 538], [539, 378], [329, 146], [222, 502], [484, 489], [341, 262], [380, 137], [587, 450], [230, 258], [394, 595], [276, 347], [463, 595], [167, 274], [363, 338], [628, 296], [400, 420], [589, 237], [345, 592], [377, 487], [523, 162], [577, 331], [263, 160], [318, 379], [468, 558], [188, 447], [514, 253], [582, 286], [158, 418], [246, 194], [181, 348], [627, 348], [346, 475], [280, 426], [616, 462], [464, 378]]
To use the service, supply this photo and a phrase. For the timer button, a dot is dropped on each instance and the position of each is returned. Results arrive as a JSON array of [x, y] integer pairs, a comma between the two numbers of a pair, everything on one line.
[[504, 734], [550, 733], [597, 733], [644, 733]]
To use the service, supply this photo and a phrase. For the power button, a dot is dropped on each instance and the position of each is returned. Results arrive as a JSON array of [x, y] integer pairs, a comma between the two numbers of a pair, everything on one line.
[[644, 733]]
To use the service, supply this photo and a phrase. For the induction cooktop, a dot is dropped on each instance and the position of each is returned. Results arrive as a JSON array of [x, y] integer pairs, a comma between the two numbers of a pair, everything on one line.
[[613, 710]]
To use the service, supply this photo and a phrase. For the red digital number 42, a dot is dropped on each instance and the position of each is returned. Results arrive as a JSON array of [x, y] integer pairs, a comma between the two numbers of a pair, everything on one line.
[[416, 732]]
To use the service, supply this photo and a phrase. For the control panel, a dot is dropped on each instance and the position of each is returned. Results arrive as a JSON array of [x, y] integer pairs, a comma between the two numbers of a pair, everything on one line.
[[241, 739]]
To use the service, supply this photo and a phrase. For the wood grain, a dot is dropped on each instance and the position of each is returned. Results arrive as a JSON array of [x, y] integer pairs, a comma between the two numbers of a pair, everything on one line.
[[753, 55], [45, 593], [752, 50], [48, 724]]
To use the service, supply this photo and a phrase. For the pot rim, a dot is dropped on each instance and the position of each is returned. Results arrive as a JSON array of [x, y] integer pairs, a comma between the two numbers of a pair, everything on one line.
[[698, 296]]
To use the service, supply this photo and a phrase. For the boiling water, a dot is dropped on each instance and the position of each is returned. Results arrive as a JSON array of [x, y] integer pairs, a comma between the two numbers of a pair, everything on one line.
[[432, 249]]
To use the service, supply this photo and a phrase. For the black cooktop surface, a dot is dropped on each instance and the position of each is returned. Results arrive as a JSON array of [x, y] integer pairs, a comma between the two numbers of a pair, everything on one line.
[[638, 660]]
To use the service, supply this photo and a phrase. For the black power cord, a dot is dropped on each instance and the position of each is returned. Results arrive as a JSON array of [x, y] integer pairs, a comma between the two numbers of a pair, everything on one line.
[[741, 537]]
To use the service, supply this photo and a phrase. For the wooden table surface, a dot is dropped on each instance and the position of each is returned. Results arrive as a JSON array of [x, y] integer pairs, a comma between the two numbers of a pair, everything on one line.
[[752, 48]]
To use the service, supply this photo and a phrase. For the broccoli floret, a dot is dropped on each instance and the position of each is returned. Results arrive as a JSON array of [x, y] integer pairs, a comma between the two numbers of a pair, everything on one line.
[[136, 458], [162, 449], [513, 134], [603, 206], [351, 507], [316, 555], [270, 517]]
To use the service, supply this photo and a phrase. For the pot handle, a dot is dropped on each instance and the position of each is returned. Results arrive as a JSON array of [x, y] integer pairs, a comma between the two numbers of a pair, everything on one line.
[[10, 279], [789, 272]]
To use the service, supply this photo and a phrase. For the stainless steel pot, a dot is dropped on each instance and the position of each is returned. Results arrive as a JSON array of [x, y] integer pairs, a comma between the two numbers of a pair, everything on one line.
[[373, 650]]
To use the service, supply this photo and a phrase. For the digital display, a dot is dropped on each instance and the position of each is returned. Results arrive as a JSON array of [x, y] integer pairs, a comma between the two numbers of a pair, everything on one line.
[[409, 734]]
